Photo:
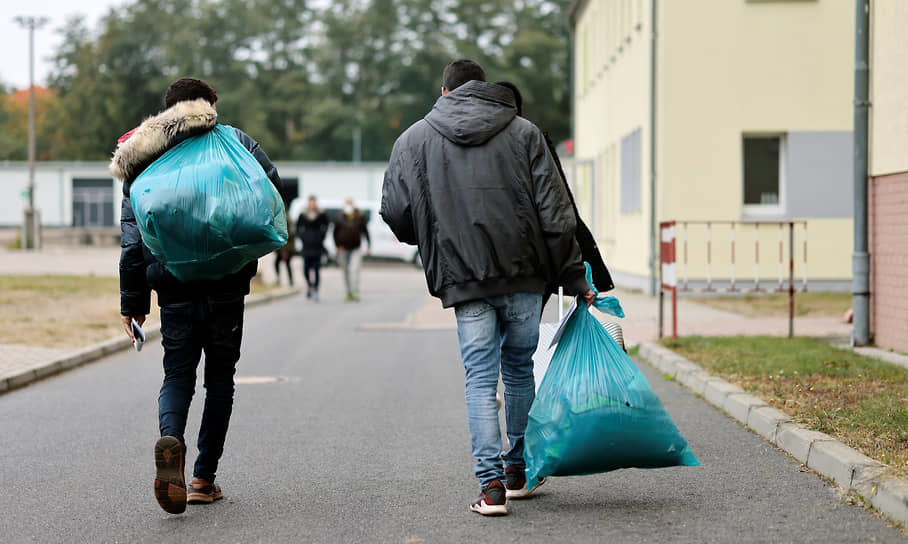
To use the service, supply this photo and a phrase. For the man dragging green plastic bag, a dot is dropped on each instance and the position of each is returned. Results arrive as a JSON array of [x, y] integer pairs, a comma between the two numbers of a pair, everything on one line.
[[475, 186]]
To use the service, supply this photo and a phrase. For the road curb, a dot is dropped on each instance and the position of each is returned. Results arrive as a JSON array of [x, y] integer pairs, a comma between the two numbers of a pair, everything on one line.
[[847, 467], [106, 347]]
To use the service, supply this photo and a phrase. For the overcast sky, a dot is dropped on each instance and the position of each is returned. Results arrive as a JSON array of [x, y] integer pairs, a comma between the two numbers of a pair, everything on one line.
[[14, 38]]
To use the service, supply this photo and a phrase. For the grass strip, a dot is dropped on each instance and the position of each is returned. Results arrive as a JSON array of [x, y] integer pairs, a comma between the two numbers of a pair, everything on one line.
[[863, 402]]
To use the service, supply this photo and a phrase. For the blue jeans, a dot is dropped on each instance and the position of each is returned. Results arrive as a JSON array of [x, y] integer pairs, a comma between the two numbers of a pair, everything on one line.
[[213, 325], [498, 334]]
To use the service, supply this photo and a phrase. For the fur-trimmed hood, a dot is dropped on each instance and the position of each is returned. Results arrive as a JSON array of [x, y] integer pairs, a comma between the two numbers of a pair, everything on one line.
[[159, 133]]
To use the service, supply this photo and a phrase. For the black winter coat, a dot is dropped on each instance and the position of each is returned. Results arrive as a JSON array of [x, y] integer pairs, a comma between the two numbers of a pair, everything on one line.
[[476, 188], [139, 270], [312, 233]]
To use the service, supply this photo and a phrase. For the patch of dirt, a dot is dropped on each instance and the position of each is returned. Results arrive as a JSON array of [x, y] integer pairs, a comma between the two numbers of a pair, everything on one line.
[[66, 312]]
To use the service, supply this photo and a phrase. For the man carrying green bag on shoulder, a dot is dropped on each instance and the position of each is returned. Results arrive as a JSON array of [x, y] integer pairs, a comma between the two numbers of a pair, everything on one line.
[[208, 188]]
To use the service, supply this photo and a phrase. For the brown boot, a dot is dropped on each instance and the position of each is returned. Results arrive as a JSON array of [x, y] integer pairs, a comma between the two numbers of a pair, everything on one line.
[[203, 492], [169, 482]]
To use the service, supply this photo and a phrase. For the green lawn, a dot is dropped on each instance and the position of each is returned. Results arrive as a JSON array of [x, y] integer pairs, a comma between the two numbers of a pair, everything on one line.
[[861, 401]]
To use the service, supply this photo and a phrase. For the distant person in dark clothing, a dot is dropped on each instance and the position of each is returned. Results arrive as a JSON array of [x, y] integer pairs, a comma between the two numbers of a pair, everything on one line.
[[284, 254], [350, 226], [311, 227], [588, 247]]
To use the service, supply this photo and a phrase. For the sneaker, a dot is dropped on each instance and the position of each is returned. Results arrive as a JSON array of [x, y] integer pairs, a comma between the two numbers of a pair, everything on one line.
[[348, 298], [202, 492], [492, 501], [516, 487], [355, 296], [169, 483]]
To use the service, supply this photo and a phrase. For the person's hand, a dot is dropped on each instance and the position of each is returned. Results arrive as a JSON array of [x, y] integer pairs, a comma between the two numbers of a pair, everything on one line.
[[127, 323], [589, 297], [368, 251]]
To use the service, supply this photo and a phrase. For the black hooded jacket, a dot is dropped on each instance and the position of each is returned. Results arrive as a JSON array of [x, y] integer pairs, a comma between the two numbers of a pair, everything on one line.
[[137, 150], [475, 187]]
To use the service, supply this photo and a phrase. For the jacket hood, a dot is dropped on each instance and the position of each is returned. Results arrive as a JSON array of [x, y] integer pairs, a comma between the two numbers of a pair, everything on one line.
[[472, 113], [158, 133]]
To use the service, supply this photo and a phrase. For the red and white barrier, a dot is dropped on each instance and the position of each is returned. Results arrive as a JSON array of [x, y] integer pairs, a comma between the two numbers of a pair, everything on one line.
[[668, 265]]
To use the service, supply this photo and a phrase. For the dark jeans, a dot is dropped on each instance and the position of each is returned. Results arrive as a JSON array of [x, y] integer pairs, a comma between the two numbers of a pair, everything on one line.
[[278, 259], [313, 264], [213, 325]]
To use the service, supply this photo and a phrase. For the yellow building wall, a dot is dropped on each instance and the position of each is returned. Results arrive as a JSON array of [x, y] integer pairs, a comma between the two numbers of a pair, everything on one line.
[[889, 86], [726, 69], [611, 93]]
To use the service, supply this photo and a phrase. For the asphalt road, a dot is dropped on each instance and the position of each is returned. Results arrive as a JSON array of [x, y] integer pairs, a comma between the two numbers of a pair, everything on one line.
[[363, 438]]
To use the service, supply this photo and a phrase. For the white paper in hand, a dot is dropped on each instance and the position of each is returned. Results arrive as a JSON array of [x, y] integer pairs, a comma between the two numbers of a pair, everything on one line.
[[138, 335], [567, 315]]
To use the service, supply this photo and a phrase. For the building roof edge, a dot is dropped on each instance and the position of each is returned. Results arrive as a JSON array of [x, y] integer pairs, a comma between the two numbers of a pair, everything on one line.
[[574, 11]]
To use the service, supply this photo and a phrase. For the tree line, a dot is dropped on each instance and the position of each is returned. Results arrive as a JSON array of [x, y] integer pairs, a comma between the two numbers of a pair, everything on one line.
[[301, 76]]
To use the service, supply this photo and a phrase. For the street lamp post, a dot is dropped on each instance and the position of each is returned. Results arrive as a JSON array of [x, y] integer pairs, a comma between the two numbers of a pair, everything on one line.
[[31, 227]]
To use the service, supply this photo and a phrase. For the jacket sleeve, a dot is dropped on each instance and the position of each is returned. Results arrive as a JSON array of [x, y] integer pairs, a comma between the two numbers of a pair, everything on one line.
[[135, 295], [395, 200], [556, 217], [260, 155]]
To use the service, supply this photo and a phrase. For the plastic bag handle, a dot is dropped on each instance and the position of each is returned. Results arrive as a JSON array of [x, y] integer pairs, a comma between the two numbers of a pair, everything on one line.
[[606, 305]]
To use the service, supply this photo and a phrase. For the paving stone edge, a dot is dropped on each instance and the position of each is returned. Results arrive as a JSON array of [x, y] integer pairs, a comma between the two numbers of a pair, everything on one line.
[[106, 347], [847, 467]]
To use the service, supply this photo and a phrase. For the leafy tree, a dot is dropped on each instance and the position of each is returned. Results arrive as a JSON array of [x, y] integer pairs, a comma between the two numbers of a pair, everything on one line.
[[302, 77]]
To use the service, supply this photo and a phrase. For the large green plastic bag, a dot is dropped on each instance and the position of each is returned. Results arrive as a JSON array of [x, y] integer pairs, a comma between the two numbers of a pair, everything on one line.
[[594, 411], [206, 207]]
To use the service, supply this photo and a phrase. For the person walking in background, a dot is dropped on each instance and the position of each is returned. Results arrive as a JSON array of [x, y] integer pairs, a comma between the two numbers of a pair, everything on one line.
[[195, 317], [284, 254], [475, 188], [311, 227], [589, 249], [350, 226]]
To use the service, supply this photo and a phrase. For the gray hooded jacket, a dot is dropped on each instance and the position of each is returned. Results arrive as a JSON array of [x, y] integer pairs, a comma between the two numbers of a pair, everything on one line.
[[475, 187]]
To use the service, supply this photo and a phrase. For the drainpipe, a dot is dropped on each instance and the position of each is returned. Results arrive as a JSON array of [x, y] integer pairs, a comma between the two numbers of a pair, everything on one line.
[[860, 259], [652, 150]]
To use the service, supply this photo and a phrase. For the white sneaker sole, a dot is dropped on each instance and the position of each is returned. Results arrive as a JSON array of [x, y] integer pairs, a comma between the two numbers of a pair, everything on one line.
[[489, 509], [523, 492]]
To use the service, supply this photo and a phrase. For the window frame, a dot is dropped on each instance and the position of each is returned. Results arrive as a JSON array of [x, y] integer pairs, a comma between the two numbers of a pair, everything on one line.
[[762, 211]]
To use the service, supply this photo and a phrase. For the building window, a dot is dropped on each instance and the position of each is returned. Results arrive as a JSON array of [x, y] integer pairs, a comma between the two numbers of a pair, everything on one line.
[[93, 203], [630, 172], [762, 170]]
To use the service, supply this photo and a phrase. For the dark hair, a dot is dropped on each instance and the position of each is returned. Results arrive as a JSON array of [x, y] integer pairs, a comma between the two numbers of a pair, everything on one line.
[[189, 88], [458, 72], [518, 99]]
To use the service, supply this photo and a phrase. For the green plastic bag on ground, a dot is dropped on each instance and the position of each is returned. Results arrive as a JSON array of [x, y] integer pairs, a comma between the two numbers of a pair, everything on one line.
[[595, 411], [206, 207]]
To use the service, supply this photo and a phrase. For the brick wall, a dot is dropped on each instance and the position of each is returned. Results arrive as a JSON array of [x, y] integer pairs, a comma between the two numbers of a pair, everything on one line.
[[888, 217]]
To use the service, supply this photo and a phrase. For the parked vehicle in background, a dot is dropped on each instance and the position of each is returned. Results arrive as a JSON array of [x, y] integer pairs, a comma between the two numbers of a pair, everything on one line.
[[384, 244]]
